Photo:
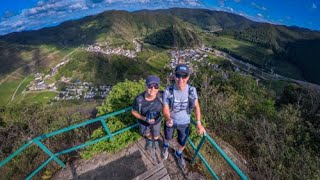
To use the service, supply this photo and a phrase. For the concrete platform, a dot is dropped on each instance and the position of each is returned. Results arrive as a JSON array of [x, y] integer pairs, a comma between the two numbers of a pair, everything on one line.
[[130, 163]]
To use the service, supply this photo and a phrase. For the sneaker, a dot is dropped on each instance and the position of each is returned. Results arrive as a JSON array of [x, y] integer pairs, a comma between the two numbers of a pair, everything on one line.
[[181, 161], [165, 153], [154, 150], [156, 145]]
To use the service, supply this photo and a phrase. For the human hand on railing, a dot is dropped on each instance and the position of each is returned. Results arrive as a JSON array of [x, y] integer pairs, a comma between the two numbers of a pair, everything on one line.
[[200, 129]]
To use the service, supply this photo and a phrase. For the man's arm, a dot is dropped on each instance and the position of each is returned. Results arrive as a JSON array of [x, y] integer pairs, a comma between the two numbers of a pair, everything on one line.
[[197, 110], [166, 114]]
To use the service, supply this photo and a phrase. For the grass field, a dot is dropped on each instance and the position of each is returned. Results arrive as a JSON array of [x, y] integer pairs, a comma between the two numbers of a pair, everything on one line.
[[11, 85], [38, 97], [24, 84], [215, 59], [7, 89], [252, 52]]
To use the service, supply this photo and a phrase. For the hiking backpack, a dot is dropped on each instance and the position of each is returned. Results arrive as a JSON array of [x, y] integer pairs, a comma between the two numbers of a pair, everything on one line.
[[191, 98]]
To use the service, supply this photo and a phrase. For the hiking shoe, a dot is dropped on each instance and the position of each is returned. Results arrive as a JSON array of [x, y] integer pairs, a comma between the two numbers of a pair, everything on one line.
[[154, 150], [156, 145], [149, 146], [181, 161], [165, 153]]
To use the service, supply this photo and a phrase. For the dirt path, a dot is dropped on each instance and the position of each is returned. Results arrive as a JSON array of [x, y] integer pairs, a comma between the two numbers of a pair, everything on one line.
[[15, 92]]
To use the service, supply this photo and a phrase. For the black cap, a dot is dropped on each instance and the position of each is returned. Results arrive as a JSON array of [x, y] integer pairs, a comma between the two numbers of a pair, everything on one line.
[[182, 69], [152, 79]]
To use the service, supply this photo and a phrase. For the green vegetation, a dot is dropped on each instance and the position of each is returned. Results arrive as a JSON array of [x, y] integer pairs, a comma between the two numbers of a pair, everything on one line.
[[268, 46], [273, 125], [121, 96], [7, 89], [173, 36], [276, 138], [39, 97], [24, 84], [255, 54], [102, 69], [21, 122]]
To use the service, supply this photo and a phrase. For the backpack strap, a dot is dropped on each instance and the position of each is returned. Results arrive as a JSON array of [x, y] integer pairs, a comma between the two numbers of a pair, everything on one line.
[[160, 96], [139, 100], [171, 97], [191, 98]]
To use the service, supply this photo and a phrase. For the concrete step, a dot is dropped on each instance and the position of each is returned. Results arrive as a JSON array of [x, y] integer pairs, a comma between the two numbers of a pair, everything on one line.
[[158, 172], [133, 162]]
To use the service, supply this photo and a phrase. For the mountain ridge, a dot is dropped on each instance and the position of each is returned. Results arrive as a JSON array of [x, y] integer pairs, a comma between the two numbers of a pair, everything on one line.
[[181, 27]]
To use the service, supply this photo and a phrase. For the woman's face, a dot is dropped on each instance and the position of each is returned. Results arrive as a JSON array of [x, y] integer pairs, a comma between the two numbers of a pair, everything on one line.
[[152, 89]]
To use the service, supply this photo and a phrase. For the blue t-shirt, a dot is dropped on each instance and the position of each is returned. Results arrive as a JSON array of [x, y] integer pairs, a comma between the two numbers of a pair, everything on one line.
[[180, 104]]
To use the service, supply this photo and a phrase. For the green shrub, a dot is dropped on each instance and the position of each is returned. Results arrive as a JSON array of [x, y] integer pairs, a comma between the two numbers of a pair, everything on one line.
[[121, 96]]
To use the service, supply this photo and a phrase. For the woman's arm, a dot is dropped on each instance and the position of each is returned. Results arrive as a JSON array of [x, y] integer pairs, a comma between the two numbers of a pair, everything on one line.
[[137, 115]]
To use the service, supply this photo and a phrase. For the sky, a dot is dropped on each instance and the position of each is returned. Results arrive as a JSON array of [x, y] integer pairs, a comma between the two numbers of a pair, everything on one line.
[[20, 15]]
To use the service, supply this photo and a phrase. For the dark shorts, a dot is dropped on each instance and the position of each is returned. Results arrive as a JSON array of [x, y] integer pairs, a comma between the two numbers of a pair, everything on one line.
[[154, 129], [183, 132]]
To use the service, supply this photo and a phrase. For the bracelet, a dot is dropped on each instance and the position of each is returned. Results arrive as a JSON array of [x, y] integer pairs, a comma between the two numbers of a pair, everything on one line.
[[198, 122]]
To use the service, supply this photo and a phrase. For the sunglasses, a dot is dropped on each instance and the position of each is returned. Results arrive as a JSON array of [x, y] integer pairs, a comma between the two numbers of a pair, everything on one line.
[[183, 76], [155, 86]]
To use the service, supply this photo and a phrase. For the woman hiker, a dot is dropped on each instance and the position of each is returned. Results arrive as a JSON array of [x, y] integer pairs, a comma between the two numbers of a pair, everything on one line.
[[147, 108]]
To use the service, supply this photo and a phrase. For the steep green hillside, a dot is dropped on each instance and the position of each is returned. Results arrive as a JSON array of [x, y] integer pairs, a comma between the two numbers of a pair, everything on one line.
[[177, 27], [102, 69], [282, 40], [207, 19], [305, 54], [173, 37], [110, 26]]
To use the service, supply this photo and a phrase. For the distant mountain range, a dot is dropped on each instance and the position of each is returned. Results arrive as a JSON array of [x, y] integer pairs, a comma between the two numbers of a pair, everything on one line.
[[177, 27]]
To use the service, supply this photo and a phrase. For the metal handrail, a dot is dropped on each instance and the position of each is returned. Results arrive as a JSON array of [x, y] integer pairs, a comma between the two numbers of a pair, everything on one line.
[[220, 151], [54, 156]]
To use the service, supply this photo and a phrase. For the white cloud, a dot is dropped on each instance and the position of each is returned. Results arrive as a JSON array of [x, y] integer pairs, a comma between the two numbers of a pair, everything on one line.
[[314, 6], [258, 6], [52, 12], [221, 3], [229, 9]]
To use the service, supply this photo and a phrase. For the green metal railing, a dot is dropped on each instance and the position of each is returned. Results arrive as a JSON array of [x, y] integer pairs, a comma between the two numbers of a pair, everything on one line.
[[54, 156], [220, 151]]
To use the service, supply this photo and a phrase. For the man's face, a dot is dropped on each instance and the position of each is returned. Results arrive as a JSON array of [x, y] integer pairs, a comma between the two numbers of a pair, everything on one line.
[[181, 80]]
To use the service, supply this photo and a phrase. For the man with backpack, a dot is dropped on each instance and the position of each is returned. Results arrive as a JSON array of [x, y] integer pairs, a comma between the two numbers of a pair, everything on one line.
[[179, 100]]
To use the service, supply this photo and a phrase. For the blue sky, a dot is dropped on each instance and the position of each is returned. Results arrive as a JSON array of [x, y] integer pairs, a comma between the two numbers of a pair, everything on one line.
[[19, 15]]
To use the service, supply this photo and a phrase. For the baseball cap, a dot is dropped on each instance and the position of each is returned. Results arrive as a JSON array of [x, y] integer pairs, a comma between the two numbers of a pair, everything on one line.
[[182, 69], [152, 79]]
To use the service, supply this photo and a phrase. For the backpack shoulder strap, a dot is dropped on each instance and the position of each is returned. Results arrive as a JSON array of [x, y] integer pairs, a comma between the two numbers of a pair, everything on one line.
[[160, 96], [140, 98], [171, 97], [191, 98]]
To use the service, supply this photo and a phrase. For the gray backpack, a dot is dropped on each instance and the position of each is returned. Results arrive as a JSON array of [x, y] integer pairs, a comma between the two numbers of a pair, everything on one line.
[[191, 98]]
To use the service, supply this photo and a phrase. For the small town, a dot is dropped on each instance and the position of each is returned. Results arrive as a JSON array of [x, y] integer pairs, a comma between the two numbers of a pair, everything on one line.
[[83, 90], [187, 56], [105, 48], [80, 90]]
